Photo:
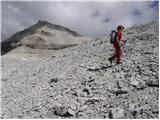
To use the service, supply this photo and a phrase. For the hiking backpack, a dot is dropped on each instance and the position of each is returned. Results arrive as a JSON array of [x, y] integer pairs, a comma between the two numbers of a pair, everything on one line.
[[113, 36]]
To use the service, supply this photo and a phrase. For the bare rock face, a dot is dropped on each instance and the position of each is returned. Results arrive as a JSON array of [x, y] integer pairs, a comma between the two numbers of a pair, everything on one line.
[[82, 82], [42, 35]]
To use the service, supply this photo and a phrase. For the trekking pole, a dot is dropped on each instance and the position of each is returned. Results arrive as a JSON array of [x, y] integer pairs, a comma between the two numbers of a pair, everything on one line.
[[123, 44]]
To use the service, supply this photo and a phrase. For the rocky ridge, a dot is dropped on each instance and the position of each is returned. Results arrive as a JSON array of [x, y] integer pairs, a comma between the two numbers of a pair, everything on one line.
[[42, 36], [79, 82]]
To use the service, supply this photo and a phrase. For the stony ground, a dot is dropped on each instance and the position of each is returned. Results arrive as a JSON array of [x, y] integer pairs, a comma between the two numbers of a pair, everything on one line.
[[79, 82]]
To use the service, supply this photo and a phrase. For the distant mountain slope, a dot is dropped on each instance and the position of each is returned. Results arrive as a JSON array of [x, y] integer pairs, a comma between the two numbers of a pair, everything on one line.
[[43, 35]]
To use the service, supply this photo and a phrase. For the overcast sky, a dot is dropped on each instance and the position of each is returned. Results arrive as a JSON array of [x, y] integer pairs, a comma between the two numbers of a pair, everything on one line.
[[91, 19]]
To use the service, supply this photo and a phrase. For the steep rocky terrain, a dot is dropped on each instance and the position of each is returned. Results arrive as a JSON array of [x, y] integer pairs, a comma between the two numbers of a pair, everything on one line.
[[40, 37], [78, 82]]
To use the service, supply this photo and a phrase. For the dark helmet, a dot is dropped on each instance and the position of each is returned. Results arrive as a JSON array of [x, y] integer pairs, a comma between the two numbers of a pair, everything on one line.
[[120, 27]]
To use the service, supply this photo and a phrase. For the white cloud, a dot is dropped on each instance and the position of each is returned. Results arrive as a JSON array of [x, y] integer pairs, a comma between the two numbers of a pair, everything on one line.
[[87, 18]]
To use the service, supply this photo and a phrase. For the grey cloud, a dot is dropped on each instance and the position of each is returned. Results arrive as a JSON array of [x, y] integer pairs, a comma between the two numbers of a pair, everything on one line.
[[106, 20], [92, 19], [95, 14]]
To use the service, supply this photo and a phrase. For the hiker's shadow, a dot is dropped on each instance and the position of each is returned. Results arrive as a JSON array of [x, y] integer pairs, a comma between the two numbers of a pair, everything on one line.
[[105, 67], [99, 69]]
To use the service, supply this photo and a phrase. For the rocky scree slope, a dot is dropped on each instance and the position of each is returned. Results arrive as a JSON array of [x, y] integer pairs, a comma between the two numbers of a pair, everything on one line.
[[79, 82], [42, 35]]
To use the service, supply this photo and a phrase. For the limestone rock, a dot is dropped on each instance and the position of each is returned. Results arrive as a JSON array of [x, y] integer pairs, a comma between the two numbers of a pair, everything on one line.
[[61, 110], [116, 113], [134, 83]]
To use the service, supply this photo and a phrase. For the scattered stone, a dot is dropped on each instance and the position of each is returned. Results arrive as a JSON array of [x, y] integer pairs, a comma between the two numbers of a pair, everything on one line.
[[75, 93], [86, 90], [92, 80], [36, 110], [116, 113], [101, 42], [33, 74], [152, 84], [141, 87], [71, 111], [91, 101], [138, 85], [134, 112], [61, 110], [132, 109], [4, 79], [93, 69], [64, 111], [54, 80], [155, 112], [84, 107], [120, 91], [74, 105], [147, 53], [134, 83], [118, 85]]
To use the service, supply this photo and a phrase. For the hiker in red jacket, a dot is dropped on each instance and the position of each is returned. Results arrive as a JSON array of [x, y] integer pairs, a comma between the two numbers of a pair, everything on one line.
[[117, 45]]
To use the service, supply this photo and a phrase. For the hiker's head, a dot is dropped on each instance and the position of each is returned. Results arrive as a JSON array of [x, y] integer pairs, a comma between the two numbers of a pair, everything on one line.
[[120, 28]]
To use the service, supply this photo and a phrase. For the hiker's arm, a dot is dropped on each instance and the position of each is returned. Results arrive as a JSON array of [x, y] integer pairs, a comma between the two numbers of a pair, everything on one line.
[[124, 41], [117, 40]]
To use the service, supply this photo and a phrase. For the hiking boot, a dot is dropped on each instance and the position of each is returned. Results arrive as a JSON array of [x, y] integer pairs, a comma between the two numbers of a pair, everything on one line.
[[110, 60], [119, 63]]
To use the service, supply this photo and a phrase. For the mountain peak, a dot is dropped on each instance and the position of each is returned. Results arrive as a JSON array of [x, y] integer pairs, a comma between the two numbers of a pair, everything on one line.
[[43, 35], [42, 22], [57, 27]]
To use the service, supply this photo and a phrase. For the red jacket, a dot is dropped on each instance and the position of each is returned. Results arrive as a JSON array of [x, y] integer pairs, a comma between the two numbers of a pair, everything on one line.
[[119, 35]]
